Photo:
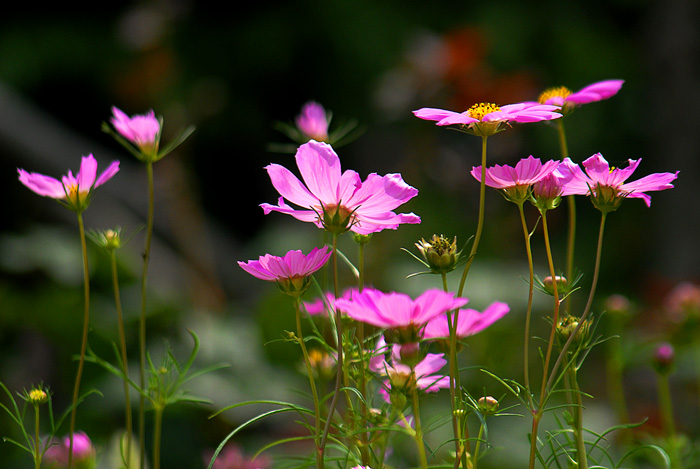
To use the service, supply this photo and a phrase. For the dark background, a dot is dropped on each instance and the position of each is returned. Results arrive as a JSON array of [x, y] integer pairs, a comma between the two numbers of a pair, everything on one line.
[[234, 72]]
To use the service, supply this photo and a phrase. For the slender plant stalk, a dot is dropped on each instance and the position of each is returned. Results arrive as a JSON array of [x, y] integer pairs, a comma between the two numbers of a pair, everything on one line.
[[666, 410], [37, 439], [419, 429], [125, 365], [142, 319], [157, 433], [475, 456], [360, 331], [577, 412], [528, 314], [83, 344], [339, 339], [571, 207], [589, 302], [537, 414], [312, 384]]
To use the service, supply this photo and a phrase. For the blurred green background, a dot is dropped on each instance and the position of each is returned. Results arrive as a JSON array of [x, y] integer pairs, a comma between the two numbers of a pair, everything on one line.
[[233, 73]]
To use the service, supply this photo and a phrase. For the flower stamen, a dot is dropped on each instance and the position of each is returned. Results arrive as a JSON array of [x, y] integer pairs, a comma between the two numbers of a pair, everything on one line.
[[479, 110], [556, 92]]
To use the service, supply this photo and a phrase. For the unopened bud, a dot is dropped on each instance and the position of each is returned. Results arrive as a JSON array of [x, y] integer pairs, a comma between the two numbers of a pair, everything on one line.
[[664, 357], [561, 281], [487, 405], [37, 397], [568, 326], [439, 253]]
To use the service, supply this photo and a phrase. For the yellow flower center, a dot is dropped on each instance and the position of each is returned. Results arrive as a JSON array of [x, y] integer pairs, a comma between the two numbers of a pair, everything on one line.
[[37, 396], [479, 110], [561, 91]]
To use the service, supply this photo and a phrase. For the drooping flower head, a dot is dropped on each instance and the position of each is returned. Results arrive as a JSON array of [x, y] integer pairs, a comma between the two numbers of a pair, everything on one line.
[[291, 272], [607, 186], [73, 192], [142, 130], [339, 201], [402, 317], [313, 121], [568, 101], [56, 456], [515, 181], [485, 119]]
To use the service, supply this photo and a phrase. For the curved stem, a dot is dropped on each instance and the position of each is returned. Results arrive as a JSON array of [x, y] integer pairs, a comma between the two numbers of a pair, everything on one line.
[[125, 366], [555, 315], [83, 344], [142, 319], [571, 207]]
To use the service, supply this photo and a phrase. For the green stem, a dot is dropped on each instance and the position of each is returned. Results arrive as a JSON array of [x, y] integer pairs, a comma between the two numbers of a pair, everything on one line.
[[37, 439], [475, 457], [577, 412], [83, 344], [360, 330], [418, 436], [571, 207], [528, 314], [125, 366], [589, 302], [312, 383], [157, 432], [142, 319], [339, 339], [666, 410]]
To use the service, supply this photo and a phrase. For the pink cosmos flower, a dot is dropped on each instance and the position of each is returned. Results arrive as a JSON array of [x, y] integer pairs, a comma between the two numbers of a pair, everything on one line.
[[56, 456], [607, 185], [231, 457], [143, 130], [397, 312], [485, 119], [293, 264], [594, 92], [469, 322], [313, 121], [71, 191], [319, 306], [527, 171], [339, 201]]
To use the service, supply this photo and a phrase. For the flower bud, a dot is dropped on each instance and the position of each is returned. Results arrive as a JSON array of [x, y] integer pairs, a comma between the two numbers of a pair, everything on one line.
[[411, 354], [561, 281], [664, 357], [56, 456], [37, 397], [439, 253], [566, 328], [487, 405]]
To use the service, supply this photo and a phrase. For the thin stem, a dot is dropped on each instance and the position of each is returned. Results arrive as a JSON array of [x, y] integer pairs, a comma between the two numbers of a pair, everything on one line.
[[475, 456], [339, 339], [37, 439], [555, 316], [577, 412], [312, 383], [360, 330], [83, 344], [666, 410], [142, 319], [125, 366], [528, 314], [571, 207], [157, 432], [589, 303], [419, 429]]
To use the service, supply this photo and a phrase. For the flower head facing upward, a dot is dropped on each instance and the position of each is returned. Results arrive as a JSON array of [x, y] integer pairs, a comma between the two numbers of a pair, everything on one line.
[[485, 119], [516, 181], [142, 130], [56, 456], [607, 186], [403, 317], [291, 272], [568, 101], [73, 192], [313, 121], [339, 201]]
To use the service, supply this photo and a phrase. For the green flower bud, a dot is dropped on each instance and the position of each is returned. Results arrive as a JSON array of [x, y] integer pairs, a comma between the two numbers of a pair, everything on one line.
[[439, 253]]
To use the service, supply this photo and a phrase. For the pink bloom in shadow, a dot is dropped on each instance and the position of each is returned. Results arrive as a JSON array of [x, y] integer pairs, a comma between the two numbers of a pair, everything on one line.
[[313, 121], [72, 191]]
